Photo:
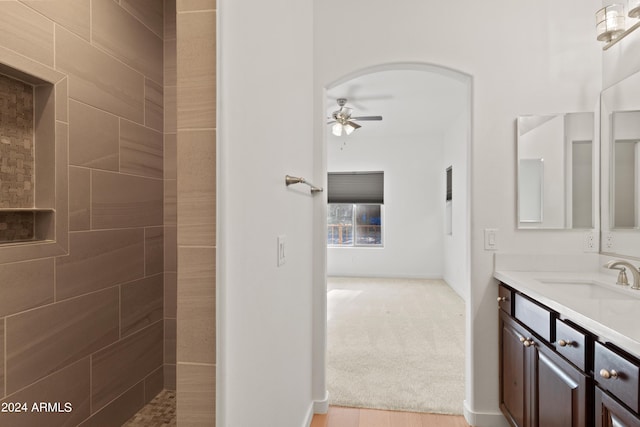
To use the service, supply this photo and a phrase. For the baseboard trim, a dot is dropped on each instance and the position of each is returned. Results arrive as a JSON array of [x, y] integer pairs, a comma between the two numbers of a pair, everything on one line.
[[321, 406], [484, 419], [309, 417], [317, 407]]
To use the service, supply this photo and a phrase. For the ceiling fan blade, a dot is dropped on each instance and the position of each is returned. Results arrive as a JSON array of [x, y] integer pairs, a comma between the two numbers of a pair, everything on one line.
[[354, 124], [330, 122], [366, 118]]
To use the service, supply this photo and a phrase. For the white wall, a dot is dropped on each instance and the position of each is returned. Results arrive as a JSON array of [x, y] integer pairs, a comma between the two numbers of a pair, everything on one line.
[[413, 200], [456, 251], [524, 57], [265, 69], [621, 60]]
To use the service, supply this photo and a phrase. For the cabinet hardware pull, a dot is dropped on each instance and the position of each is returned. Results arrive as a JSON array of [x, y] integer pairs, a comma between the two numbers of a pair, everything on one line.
[[502, 299], [527, 342], [608, 374], [563, 343]]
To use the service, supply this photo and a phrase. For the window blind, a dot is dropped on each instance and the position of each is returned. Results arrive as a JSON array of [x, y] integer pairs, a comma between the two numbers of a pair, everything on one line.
[[355, 187]]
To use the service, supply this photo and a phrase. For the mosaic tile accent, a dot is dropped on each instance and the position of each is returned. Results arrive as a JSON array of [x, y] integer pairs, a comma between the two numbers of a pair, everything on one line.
[[16, 144], [160, 412], [16, 226]]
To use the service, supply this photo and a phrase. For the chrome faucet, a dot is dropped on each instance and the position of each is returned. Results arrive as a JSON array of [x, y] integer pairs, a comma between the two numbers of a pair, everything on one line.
[[634, 272]]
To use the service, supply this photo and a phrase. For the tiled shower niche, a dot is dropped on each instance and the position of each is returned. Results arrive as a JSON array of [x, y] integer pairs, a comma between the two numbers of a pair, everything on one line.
[[23, 216]]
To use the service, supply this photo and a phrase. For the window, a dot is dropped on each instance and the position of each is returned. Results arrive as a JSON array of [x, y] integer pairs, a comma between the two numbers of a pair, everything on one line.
[[355, 208], [449, 183], [340, 223], [354, 224]]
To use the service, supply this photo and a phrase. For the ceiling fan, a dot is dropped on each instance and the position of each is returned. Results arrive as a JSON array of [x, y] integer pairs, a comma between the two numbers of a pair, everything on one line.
[[343, 122]]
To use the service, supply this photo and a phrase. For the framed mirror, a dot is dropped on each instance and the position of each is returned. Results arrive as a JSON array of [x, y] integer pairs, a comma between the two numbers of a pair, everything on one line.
[[620, 164], [556, 171]]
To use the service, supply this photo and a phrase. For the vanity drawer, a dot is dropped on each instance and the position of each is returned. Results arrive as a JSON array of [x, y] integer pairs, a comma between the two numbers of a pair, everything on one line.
[[572, 343], [623, 383], [535, 316], [611, 413], [505, 299]]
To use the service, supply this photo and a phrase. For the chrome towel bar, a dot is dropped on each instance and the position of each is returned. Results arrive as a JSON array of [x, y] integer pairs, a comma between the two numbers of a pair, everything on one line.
[[288, 179]]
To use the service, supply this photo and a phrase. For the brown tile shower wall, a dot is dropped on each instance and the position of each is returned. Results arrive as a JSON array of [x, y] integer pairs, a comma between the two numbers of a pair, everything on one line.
[[88, 327], [170, 195], [196, 221]]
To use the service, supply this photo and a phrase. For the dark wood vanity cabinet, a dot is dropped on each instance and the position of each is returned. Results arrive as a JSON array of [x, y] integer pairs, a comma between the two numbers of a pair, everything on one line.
[[617, 375], [562, 392], [538, 388], [515, 372], [553, 373], [610, 413]]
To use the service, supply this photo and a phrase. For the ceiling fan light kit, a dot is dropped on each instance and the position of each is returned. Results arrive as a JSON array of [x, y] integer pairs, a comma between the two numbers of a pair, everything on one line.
[[343, 122], [338, 128]]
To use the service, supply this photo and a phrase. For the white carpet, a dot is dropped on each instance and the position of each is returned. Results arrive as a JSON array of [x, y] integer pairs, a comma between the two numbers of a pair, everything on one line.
[[395, 344]]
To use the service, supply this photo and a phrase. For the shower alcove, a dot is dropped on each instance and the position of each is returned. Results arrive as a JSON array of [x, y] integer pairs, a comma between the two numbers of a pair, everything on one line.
[[33, 155]]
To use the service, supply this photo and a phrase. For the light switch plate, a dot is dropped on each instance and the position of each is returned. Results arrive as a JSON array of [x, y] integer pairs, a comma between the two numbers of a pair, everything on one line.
[[490, 239]]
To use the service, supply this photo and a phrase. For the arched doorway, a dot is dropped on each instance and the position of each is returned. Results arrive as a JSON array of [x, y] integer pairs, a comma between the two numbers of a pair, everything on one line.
[[418, 102]]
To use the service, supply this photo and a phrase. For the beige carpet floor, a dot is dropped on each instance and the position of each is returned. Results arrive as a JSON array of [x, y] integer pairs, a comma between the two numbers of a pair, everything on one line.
[[395, 344]]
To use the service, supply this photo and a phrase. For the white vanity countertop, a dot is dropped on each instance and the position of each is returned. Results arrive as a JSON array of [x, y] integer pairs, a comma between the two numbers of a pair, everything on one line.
[[591, 300]]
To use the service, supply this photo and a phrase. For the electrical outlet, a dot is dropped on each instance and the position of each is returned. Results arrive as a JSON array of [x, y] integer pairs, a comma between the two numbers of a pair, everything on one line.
[[590, 241], [609, 243], [282, 254]]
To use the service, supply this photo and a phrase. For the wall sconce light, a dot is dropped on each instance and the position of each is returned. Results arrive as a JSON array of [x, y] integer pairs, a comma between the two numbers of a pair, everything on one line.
[[610, 22], [634, 9]]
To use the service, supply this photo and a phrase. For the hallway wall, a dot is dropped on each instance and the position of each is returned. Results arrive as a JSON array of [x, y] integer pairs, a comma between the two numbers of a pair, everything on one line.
[[456, 247], [87, 327], [265, 132]]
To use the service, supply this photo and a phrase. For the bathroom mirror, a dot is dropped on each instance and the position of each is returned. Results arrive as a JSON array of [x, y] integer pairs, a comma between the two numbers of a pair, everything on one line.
[[620, 165], [556, 171]]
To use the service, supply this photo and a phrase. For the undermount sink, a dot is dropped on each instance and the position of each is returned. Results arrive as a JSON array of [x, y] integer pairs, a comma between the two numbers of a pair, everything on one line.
[[587, 289]]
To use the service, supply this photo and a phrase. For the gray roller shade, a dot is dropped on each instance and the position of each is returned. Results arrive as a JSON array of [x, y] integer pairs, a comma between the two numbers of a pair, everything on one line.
[[355, 187]]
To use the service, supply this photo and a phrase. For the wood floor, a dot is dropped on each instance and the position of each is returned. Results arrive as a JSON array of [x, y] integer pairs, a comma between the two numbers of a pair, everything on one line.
[[355, 417]]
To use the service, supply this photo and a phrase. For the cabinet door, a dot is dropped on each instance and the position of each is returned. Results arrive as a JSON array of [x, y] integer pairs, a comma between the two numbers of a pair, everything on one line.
[[560, 390], [610, 413], [513, 372]]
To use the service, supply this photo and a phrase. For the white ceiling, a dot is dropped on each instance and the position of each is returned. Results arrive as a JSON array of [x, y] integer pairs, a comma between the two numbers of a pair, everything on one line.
[[411, 102]]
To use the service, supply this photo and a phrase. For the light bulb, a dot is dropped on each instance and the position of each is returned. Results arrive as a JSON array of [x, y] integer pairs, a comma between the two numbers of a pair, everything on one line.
[[349, 129], [336, 129]]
